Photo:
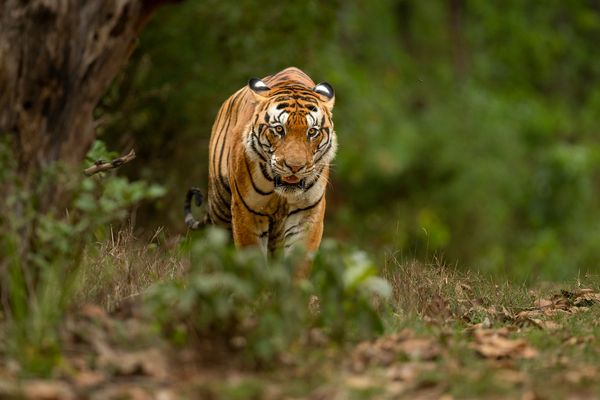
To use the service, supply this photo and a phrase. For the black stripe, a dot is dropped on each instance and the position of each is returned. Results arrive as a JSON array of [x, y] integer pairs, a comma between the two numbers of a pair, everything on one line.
[[323, 155], [324, 142], [223, 203], [256, 189], [289, 229], [223, 181], [254, 139], [304, 98], [307, 208], [263, 145], [318, 174], [244, 202], [263, 169], [291, 232], [212, 208], [225, 129], [221, 131]]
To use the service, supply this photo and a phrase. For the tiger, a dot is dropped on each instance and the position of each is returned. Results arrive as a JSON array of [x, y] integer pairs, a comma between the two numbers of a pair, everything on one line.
[[270, 150]]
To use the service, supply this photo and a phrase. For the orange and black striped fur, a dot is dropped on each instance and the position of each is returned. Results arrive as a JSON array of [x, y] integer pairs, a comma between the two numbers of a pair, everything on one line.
[[269, 156]]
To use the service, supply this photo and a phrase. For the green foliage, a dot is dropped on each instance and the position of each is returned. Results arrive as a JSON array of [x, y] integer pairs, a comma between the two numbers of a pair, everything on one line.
[[38, 275], [345, 283], [466, 128], [249, 301]]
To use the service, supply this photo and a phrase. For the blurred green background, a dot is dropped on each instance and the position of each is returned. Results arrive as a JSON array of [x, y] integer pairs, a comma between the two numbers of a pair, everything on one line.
[[468, 130]]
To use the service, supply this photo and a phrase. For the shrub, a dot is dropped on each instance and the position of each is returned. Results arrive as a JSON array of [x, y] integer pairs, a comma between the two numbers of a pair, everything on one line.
[[247, 300], [38, 273]]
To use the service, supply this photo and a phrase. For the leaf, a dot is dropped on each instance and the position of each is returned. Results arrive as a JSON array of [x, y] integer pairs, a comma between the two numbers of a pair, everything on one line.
[[378, 286], [359, 269], [495, 344]]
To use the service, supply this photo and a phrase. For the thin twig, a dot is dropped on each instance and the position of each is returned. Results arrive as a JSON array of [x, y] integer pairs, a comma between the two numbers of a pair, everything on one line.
[[100, 165]]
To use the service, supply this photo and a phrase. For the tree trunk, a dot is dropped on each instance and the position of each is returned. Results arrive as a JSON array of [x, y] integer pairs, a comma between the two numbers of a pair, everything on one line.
[[57, 58]]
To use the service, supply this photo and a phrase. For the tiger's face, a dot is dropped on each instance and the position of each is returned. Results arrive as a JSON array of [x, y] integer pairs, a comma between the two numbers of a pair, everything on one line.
[[293, 134]]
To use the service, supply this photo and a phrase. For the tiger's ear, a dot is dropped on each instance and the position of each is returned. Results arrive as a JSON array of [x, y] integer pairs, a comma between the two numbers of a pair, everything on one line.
[[258, 88], [326, 93]]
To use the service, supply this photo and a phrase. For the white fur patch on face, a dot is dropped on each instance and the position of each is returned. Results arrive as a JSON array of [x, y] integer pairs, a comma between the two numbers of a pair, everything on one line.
[[277, 116], [313, 118]]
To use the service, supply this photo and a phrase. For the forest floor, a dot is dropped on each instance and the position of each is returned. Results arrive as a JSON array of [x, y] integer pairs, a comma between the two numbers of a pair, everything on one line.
[[450, 335]]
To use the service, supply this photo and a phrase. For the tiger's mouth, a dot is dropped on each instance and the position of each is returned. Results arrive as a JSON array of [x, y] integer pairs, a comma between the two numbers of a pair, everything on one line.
[[289, 182]]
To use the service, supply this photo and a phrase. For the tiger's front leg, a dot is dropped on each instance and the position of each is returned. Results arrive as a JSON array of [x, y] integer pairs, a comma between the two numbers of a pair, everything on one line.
[[305, 229], [248, 226]]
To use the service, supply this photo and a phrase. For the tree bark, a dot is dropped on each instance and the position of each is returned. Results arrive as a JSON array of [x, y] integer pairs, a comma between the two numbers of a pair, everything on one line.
[[57, 58]]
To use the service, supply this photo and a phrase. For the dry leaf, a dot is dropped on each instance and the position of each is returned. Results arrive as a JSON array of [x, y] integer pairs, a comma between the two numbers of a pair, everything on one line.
[[408, 372], [359, 382], [494, 344], [92, 311], [149, 362], [88, 378], [47, 390], [388, 349], [543, 303]]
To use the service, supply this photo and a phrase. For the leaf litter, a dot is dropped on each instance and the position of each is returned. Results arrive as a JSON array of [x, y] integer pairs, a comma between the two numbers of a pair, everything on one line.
[[138, 366]]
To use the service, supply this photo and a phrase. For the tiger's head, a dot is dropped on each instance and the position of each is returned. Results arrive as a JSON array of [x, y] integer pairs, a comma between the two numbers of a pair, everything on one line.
[[292, 133]]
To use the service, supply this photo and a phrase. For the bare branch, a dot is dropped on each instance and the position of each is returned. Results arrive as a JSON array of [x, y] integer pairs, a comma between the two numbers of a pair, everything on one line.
[[100, 165]]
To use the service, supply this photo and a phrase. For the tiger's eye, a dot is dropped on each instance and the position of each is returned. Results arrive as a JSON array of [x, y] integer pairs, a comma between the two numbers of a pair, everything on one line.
[[279, 129], [312, 132]]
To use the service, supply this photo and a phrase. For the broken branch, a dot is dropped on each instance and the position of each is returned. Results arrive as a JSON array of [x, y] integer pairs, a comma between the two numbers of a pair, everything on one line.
[[100, 165]]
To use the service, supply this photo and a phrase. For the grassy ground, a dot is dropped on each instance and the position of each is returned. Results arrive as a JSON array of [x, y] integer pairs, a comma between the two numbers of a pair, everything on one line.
[[448, 334]]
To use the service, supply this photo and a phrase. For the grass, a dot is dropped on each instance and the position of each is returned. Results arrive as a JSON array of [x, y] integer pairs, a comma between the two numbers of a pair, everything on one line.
[[429, 347], [121, 267]]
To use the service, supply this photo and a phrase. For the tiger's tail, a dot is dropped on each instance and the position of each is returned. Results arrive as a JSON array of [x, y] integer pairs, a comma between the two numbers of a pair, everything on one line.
[[190, 221]]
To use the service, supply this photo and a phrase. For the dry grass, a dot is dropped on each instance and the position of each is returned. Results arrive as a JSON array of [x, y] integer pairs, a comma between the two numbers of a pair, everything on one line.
[[122, 266], [438, 292], [452, 333]]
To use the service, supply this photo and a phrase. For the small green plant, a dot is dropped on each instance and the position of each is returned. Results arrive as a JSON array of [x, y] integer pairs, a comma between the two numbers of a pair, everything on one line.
[[348, 286], [253, 302], [38, 276]]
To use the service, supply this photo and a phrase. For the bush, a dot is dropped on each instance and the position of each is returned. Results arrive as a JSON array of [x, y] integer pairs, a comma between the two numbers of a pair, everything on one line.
[[38, 276], [247, 300]]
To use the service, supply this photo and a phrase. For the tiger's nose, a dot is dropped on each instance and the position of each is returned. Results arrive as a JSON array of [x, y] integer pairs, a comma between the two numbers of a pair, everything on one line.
[[294, 167]]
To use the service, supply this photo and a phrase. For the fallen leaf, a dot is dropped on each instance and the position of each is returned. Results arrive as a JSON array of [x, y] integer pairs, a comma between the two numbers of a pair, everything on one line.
[[543, 303], [149, 362], [88, 378], [388, 349], [408, 372], [93, 311], [511, 376], [47, 390], [576, 340], [359, 382], [581, 374], [491, 343]]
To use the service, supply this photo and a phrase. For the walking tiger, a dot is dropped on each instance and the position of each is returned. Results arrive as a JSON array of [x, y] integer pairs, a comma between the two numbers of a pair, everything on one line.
[[269, 154]]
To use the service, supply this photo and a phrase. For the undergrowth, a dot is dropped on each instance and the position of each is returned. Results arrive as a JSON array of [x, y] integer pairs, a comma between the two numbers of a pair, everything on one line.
[[42, 252], [254, 304]]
